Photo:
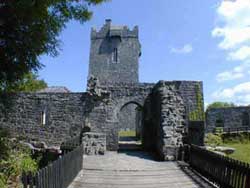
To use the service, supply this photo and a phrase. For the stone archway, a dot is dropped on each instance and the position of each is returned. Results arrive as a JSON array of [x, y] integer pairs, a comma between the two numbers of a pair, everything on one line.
[[130, 120]]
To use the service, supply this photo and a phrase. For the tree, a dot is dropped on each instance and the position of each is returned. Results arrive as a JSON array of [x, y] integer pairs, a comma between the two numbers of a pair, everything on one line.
[[28, 83], [29, 28], [220, 105]]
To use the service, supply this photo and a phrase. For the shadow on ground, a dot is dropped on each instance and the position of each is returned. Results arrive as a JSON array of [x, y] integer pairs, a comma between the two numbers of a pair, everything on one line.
[[141, 154]]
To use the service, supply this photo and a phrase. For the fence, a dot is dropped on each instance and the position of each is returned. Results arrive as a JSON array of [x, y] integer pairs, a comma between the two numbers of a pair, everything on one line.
[[228, 129], [221, 170], [58, 174]]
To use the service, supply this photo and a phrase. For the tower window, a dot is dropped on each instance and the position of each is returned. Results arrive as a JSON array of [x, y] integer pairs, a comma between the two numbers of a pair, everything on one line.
[[115, 55], [44, 117]]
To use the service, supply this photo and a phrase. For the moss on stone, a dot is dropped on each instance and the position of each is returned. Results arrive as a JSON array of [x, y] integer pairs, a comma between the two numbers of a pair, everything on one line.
[[197, 114]]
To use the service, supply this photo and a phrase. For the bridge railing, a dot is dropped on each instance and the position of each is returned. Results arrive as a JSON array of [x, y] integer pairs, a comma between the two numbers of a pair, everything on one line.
[[58, 174], [228, 129], [222, 171]]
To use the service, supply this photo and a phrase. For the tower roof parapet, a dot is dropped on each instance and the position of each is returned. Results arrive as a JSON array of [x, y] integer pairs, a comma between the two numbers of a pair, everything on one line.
[[109, 30]]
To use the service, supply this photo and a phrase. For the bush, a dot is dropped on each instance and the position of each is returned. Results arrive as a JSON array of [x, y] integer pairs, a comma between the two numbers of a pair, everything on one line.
[[3, 181], [236, 138], [15, 159], [213, 140], [13, 167]]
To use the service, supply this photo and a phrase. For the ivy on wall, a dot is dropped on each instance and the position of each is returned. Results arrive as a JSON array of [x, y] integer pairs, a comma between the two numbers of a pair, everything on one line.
[[197, 114]]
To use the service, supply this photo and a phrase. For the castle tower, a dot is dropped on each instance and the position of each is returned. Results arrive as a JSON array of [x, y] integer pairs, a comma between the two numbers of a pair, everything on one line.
[[114, 54]]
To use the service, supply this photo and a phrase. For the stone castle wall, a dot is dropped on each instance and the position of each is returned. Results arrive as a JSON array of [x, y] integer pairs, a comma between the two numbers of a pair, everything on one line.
[[67, 113], [228, 117], [22, 115]]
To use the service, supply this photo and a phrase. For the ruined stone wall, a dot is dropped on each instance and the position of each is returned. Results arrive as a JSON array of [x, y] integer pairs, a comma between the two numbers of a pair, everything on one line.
[[228, 117], [192, 95], [164, 122], [66, 113], [166, 114], [22, 115], [94, 143]]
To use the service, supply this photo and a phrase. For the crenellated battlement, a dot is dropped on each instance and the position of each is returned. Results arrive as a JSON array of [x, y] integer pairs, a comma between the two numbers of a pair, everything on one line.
[[109, 30]]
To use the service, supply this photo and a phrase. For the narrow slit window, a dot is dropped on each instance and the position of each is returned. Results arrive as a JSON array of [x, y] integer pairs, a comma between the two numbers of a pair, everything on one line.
[[115, 55], [43, 118]]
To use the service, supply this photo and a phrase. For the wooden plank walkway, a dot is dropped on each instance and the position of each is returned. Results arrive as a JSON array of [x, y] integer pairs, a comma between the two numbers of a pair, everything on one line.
[[131, 170]]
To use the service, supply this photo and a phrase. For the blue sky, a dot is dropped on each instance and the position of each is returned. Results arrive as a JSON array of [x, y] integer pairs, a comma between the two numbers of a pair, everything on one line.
[[181, 40]]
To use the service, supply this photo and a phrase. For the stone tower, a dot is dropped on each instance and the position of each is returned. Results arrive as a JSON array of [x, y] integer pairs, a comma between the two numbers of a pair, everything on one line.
[[114, 54]]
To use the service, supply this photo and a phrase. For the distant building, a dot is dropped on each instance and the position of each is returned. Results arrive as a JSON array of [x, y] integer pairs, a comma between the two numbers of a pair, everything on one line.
[[228, 117]]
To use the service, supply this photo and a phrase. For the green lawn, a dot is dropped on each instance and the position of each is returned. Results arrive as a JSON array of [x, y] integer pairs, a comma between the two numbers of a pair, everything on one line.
[[127, 134], [242, 151]]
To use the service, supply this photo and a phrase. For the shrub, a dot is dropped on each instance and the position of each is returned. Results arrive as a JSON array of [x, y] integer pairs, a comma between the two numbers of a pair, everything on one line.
[[3, 181], [236, 138], [213, 140], [15, 159]]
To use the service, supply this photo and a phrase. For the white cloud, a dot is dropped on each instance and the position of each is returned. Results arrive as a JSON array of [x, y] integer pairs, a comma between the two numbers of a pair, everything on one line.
[[228, 75], [187, 48], [235, 34], [239, 94], [235, 16], [233, 37], [241, 54], [237, 72]]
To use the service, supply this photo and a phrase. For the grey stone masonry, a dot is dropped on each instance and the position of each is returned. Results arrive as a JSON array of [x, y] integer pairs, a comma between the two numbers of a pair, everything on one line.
[[44, 117], [114, 54], [229, 117], [164, 120], [94, 143]]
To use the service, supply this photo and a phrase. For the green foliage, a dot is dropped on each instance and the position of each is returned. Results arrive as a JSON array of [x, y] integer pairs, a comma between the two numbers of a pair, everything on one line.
[[236, 138], [15, 160], [220, 105], [213, 140], [28, 83], [197, 114], [17, 163], [4, 147], [3, 181], [239, 141], [31, 28]]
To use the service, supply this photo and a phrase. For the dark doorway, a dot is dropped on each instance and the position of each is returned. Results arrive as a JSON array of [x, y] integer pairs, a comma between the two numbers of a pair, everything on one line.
[[130, 118]]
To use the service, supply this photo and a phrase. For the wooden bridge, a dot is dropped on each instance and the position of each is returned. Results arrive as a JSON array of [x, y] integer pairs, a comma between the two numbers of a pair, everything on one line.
[[138, 169], [133, 169]]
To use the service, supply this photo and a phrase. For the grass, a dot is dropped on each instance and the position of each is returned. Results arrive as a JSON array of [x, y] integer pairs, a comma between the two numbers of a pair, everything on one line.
[[127, 133], [242, 151], [240, 141]]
